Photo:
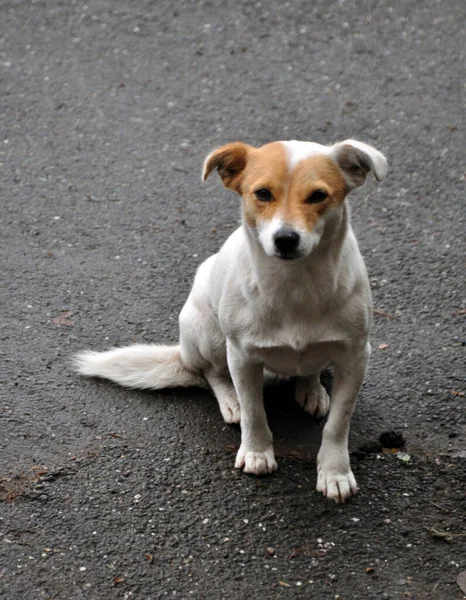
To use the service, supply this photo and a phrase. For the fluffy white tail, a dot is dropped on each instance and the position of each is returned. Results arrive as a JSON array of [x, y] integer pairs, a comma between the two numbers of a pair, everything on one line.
[[141, 366]]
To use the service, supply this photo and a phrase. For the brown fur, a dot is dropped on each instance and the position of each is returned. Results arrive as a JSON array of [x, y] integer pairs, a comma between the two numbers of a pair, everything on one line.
[[245, 169]]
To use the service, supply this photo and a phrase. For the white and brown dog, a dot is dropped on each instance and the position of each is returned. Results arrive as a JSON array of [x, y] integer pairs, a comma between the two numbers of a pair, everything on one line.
[[287, 293]]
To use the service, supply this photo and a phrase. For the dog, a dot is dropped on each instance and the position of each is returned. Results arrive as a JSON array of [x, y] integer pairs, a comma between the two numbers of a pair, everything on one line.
[[287, 294]]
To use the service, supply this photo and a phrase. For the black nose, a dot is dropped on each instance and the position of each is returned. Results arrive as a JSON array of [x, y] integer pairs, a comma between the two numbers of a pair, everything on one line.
[[286, 241]]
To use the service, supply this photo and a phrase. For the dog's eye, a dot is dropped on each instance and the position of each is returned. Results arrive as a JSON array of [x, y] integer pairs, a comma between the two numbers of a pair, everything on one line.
[[317, 196], [263, 194]]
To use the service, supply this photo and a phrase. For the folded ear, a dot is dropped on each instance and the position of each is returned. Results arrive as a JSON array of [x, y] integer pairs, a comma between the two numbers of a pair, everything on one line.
[[356, 159], [230, 161]]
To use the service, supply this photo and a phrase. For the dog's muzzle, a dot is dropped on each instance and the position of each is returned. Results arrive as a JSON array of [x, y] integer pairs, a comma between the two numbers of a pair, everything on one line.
[[286, 243]]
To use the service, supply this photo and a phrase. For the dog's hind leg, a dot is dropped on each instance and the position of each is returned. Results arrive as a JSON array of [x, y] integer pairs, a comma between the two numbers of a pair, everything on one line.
[[224, 390], [311, 395]]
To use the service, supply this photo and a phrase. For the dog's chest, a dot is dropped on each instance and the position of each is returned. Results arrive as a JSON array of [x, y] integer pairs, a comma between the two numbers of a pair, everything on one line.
[[298, 348], [288, 362]]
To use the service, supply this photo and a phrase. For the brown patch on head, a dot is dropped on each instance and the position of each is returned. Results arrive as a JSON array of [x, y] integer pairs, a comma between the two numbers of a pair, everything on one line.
[[313, 178], [267, 168], [246, 170], [319, 172]]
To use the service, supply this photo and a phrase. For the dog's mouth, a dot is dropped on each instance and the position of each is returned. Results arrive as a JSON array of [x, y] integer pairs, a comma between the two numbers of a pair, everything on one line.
[[287, 255]]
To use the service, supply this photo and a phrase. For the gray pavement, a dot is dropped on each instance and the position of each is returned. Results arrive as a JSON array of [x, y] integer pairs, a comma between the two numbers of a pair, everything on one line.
[[107, 111]]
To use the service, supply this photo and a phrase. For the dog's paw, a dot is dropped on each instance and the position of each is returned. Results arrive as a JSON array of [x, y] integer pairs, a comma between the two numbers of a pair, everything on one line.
[[230, 410], [336, 486], [227, 398], [312, 397], [335, 479], [257, 463]]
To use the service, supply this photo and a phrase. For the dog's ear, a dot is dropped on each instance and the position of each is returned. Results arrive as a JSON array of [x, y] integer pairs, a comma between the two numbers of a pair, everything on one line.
[[230, 161], [356, 159]]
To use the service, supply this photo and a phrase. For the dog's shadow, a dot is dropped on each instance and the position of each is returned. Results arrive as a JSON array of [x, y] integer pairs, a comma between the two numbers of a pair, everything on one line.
[[296, 433]]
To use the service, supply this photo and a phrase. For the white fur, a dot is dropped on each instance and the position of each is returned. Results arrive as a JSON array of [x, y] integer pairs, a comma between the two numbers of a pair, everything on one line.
[[297, 151], [308, 240], [142, 366], [250, 312], [266, 231]]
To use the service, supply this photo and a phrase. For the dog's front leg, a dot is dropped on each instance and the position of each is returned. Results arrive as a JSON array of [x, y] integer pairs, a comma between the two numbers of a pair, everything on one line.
[[256, 451], [334, 476]]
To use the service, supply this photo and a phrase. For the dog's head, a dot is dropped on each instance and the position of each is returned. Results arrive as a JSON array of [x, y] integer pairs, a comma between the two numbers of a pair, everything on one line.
[[290, 190]]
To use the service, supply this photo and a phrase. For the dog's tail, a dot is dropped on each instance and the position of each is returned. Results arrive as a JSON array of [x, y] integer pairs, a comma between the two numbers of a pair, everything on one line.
[[142, 366]]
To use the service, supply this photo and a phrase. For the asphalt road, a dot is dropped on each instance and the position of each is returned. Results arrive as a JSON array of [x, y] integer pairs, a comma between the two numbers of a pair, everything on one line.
[[107, 111]]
